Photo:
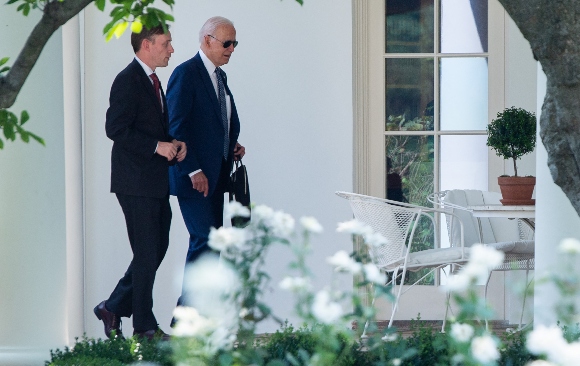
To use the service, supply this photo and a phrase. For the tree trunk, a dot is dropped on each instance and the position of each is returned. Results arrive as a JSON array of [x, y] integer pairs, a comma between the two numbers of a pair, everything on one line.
[[553, 30], [56, 13]]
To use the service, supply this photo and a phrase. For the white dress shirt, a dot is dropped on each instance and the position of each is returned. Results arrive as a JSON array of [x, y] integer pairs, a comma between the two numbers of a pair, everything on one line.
[[210, 67]]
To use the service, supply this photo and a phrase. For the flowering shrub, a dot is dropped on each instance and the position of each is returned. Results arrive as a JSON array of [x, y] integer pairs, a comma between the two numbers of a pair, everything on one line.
[[218, 326]]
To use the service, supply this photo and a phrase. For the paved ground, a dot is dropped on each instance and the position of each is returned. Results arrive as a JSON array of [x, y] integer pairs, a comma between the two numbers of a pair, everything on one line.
[[498, 327]]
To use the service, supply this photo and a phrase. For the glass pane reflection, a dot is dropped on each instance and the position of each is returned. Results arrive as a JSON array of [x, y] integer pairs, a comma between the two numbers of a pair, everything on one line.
[[410, 173], [409, 94], [464, 162], [463, 86], [463, 26], [409, 168], [409, 26]]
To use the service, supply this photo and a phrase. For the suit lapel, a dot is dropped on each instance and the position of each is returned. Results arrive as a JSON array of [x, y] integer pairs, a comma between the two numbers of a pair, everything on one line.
[[148, 86], [208, 85]]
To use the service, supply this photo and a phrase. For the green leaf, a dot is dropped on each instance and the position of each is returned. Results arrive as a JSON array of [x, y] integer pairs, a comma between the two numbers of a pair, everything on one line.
[[4, 60], [24, 136], [24, 117], [1, 144], [100, 4], [4, 69], [11, 2], [26, 9], [119, 29], [9, 131], [37, 138]]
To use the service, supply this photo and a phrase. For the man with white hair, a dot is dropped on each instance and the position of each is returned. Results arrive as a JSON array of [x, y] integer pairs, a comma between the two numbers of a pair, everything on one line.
[[202, 113]]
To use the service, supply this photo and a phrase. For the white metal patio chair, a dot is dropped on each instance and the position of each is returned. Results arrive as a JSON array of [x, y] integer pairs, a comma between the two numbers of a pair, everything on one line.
[[397, 222], [513, 237]]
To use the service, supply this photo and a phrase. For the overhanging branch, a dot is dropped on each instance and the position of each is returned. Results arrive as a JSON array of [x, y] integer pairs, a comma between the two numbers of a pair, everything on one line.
[[56, 14]]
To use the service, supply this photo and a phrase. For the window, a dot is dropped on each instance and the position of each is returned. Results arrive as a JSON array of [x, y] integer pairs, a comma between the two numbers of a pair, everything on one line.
[[424, 76]]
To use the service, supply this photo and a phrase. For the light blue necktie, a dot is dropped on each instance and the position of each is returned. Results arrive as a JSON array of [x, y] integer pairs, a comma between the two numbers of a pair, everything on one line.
[[222, 100]]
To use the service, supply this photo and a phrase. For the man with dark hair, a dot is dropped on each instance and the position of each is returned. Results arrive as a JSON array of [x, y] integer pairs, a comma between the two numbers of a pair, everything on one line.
[[137, 122]]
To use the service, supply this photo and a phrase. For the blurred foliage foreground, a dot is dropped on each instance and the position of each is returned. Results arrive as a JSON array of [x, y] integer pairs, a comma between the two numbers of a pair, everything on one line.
[[218, 327]]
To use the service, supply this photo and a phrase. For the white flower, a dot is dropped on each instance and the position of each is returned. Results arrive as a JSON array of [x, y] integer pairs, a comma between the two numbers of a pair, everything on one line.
[[475, 271], [209, 285], [546, 340], [457, 283], [324, 309], [569, 356], [391, 337], [374, 274], [262, 212], [570, 246], [485, 256], [226, 237], [221, 338], [343, 262], [484, 349], [396, 361], [354, 227], [295, 284], [311, 224], [282, 223], [236, 209], [462, 333], [190, 323], [540, 363], [244, 312], [375, 239]]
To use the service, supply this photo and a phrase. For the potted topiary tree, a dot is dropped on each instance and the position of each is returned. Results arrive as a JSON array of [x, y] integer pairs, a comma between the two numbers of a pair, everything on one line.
[[512, 134]]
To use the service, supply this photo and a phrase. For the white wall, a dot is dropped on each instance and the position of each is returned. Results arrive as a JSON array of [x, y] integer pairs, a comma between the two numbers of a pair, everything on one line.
[[32, 209], [291, 77]]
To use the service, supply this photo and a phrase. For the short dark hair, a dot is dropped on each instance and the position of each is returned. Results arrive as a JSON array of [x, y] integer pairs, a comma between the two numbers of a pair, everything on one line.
[[146, 33]]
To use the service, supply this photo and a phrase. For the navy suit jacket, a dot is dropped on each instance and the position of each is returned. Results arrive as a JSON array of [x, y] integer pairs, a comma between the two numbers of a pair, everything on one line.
[[135, 123], [195, 118]]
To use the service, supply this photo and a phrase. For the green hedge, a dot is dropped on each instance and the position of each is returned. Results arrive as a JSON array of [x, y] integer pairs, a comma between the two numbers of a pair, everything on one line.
[[425, 346]]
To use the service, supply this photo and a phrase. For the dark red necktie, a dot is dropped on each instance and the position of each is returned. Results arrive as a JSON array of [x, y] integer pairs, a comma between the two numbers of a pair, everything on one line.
[[157, 87]]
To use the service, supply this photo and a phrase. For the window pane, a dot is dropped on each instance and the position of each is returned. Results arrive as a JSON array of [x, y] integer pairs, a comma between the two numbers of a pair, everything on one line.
[[409, 168], [463, 26], [463, 86], [464, 162], [409, 26], [410, 172], [409, 94]]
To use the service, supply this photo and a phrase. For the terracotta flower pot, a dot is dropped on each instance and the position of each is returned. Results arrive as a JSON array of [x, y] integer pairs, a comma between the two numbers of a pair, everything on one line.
[[517, 190]]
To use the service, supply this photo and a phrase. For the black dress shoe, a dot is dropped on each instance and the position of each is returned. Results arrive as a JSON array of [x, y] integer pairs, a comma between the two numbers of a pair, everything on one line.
[[111, 321], [153, 335]]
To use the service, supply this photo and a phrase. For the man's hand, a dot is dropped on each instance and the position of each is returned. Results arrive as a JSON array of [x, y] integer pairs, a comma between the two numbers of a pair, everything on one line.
[[200, 184], [166, 149], [239, 151], [181, 149]]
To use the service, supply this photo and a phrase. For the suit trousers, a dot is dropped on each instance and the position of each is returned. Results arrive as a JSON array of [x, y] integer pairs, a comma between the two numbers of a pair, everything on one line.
[[200, 214], [148, 221]]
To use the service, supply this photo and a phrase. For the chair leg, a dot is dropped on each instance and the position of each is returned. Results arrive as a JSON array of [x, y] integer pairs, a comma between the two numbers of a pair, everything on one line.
[[485, 296], [448, 304], [364, 334], [525, 295], [396, 304]]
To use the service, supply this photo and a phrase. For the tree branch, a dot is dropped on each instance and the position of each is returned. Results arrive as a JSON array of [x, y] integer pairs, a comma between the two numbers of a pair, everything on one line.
[[56, 14]]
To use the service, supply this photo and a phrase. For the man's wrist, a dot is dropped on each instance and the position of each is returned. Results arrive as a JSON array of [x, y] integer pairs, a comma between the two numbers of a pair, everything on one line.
[[194, 173]]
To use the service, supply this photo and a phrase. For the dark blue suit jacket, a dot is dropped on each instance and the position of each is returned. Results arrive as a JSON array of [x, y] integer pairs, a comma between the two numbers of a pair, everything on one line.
[[135, 123], [195, 118]]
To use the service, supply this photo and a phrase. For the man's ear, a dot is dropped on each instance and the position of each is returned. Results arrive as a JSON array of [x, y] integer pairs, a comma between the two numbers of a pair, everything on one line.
[[206, 40], [145, 44]]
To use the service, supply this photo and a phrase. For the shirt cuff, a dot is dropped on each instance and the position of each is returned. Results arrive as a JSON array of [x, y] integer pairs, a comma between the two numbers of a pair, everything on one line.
[[194, 173]]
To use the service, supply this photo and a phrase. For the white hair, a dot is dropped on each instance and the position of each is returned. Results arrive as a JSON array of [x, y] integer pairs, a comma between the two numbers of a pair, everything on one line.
[[211, 25]]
